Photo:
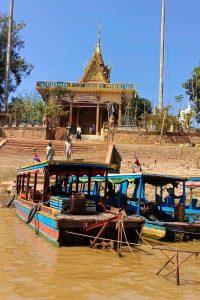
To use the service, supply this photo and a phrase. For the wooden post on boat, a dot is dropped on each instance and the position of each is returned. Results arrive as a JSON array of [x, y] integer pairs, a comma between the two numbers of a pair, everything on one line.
[[77, 181], [89, 182], [106, 183], [35, 186], [46, 182], [23, 182], [66, 186], [17, 185], [119, 240], [27, 185], [161, 196]]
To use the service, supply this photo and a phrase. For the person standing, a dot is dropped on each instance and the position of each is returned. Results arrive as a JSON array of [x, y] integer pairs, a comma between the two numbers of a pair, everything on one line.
[[35, 156], [68, 130], [90, 130], [68, 148], [137, 166], [78, 132], [50, 152]]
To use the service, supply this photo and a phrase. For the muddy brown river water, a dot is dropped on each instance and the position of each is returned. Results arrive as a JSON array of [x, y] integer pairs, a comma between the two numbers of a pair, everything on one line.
[[31, 268]]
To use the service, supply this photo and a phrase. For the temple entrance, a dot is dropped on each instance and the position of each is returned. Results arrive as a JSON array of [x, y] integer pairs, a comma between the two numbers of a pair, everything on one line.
[[85, 118]]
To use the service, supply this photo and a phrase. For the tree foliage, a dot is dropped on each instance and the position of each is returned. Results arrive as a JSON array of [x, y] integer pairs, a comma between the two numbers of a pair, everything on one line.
[[28, 108], [192, 88], [19, 67], [136, 111], [163, 118], [54, 111]]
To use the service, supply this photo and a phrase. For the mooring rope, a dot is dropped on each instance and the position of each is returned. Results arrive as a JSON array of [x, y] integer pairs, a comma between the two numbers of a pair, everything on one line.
[[143, 239], [128, 244], [103, 239]]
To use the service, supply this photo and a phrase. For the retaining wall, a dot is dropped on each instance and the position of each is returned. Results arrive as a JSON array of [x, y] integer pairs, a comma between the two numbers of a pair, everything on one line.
[[33, 133], [130, 137]]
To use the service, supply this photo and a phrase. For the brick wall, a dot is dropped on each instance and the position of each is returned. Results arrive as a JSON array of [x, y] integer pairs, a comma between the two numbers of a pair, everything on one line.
[[129, 137], [24, 133]]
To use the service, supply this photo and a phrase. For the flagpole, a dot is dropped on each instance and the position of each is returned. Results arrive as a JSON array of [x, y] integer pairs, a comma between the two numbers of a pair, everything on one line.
[[162, 56], [8, 56]]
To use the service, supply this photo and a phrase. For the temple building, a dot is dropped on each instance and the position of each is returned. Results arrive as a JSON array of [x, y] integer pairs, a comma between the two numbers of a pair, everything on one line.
[[90, 101]]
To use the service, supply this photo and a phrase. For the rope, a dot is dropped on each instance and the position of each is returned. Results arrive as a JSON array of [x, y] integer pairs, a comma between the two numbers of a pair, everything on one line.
[[152, 250], [143, 239], [128, 244], [93, 237]]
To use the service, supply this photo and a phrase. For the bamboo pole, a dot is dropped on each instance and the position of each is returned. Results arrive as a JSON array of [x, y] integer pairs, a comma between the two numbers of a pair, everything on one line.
[[177, 270], [163, 124], [162, 55], [177, 263]]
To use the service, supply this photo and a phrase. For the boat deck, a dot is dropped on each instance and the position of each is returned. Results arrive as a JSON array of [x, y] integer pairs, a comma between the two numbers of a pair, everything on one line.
[[67, 220]]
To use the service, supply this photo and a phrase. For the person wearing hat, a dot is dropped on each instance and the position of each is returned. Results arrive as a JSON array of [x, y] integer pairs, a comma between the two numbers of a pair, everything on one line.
[[169, 199]]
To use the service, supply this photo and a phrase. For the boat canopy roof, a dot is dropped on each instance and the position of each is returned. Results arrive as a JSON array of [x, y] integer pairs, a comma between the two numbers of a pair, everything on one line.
[[154, 179], [66, 166], [112, 178], [194, 178], [158, 179]]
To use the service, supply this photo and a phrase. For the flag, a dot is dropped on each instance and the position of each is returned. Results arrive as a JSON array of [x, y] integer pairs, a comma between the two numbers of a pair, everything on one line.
[[36, 158]]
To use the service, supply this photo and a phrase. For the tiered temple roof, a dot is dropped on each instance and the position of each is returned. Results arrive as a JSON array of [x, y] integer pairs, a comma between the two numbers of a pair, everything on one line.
[[96, 70]]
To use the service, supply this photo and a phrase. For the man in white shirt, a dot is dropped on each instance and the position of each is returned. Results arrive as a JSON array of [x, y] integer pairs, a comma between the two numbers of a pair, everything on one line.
[[50, 152], [68, 148], [78, 132]]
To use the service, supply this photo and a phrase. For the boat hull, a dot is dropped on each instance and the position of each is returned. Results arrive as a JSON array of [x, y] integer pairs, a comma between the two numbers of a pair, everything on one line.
[[63, 230], [45, 226], [154, 230]]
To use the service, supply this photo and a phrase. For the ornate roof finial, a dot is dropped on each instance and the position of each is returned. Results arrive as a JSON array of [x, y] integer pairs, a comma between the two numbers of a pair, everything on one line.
[[98, 47]]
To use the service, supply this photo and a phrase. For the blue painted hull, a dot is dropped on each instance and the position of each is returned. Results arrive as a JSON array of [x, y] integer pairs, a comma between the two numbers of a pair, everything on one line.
[[44, 225]]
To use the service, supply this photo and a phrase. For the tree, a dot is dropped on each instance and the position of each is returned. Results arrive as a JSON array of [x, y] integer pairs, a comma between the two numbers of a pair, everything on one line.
[[18, 67], [155, 121], [192, 89], [187, 120], [136, 111], [54, 111], [27, 108], [15, 110]]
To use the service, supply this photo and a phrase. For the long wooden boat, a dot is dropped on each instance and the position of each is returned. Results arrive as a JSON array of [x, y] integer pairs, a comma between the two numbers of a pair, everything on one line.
[[158, 223], [62, 212]]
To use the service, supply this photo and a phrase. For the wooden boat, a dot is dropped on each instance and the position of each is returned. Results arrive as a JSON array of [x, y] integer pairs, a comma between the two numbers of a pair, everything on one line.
[[158, 222], [59, 210]]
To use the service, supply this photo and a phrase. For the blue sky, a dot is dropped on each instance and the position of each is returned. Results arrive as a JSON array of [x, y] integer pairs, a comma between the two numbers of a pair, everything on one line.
[[61, 34]]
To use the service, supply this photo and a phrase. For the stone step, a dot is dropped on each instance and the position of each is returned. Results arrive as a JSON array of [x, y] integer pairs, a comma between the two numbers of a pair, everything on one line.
[[21, 151]]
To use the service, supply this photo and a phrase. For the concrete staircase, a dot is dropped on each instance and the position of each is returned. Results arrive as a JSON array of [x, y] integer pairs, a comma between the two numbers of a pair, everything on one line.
[[16, 153]]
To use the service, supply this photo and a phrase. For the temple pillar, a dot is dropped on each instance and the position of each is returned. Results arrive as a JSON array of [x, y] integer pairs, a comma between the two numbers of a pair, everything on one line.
[[97, 118], [101, 123], [70, 111], [120, 115], [77, 117]]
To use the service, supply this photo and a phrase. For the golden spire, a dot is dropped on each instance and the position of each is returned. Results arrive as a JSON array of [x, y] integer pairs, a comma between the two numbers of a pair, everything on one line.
[[98, 47]]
